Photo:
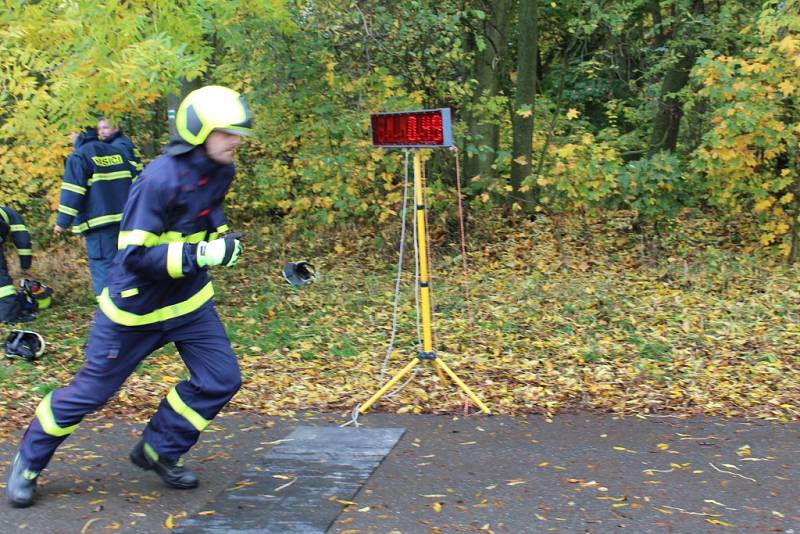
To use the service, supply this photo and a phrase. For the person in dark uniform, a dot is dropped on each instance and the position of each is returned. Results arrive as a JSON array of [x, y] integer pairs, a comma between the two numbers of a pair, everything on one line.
[[158, 292], [108, 133], [12, 226], [97, 177]]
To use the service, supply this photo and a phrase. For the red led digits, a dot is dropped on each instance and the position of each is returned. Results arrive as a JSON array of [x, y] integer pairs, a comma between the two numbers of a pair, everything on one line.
[[427, 128]]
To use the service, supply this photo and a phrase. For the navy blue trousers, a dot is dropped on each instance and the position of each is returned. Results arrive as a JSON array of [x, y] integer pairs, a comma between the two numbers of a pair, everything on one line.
[[101, 247], [112, 354]]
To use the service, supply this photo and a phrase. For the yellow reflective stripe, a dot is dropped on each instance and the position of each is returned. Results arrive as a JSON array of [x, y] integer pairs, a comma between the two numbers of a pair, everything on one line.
[[138, 238], [74, 188], [4, 215], [114, 217], [97, 221], [127, 318], [143, 238], [24, 252], [220, 230], [183, 409], [132, 292], [105, 176], [67, 210], [195, 238], [151, 452], [175, 260], [18, 228], [48, 421], [7, 290]]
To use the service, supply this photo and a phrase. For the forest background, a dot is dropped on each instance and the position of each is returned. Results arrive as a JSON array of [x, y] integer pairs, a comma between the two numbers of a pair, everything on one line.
[[628, 169]]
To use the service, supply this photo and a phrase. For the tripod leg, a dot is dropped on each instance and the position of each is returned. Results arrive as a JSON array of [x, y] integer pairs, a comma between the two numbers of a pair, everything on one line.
[[440, 373], [462, 385], [395, 379]]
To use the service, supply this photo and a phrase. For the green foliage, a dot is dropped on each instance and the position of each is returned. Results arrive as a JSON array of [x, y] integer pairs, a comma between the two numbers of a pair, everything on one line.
[[313, 71], [748, 156], [655, 188], [62, 64]]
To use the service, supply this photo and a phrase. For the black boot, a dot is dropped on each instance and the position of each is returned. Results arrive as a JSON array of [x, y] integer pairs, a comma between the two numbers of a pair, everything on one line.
[[21, 484], [173, 473]]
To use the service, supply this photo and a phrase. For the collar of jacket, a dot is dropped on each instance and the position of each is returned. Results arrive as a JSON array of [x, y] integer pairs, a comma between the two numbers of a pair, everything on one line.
[[114, 136], [89, 134], [200, 162]]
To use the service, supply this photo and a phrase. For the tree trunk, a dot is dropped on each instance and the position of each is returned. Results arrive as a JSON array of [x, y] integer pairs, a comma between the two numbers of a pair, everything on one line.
[[670, 108], [522, 148], [487, 70], [174, 101], [794, 251]]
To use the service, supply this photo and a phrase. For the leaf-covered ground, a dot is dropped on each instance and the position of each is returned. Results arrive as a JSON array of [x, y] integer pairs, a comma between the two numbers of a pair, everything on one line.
[[539, 326]]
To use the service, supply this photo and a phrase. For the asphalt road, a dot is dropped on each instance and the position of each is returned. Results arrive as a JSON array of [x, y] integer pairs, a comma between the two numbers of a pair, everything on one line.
[[582, 472]]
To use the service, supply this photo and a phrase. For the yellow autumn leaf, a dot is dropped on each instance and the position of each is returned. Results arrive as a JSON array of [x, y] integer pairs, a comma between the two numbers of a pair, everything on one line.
[[764, 204], [718, 522], [573, 113], [437, 507], [787, 88]]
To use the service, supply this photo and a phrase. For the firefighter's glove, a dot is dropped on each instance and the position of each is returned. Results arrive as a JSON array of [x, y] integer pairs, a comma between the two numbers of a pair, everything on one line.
[[222, 251]]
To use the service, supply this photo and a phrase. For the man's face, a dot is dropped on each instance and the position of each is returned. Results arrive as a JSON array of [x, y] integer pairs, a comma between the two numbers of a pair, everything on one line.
[[220, 146], [104, 129]]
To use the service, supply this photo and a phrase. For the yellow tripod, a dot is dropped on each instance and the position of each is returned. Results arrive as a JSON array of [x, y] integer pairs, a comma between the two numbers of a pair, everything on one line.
[[427, 353]]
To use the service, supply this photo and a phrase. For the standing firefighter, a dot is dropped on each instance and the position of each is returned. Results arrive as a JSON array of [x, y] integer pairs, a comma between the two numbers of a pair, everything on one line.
[[12, 225], [112, 135], [159, 292], [97, 177]]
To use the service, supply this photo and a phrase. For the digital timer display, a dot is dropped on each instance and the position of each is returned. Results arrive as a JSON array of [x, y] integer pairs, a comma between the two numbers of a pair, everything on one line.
[[412, 129]]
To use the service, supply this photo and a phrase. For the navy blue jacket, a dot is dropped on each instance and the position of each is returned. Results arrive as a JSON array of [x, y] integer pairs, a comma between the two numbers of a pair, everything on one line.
[[97, 177], [174, 204], [120, 141], [11, 223]]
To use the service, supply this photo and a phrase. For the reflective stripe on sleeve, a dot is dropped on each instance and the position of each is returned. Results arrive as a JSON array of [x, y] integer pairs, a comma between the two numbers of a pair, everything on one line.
[[175, 260], [66, 210], [74, 188]]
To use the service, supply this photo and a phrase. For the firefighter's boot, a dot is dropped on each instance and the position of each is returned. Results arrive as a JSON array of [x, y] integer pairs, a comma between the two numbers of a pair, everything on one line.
[[21, 484], [173, 472]]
